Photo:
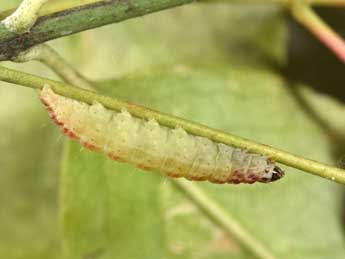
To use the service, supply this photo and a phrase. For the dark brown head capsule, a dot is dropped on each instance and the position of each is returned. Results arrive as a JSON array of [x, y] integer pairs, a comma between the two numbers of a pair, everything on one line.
[[277, 173], [272, 174]]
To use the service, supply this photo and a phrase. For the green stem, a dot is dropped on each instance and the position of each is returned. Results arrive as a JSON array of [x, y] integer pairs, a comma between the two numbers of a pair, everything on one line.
[[88, 16], [52, 59], [223, 218], [283, 2], [78, 19], [313, 167], [306, 16], [51, 7]]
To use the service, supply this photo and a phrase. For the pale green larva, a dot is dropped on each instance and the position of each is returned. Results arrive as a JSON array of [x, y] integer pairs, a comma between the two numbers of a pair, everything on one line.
[[153, 147]]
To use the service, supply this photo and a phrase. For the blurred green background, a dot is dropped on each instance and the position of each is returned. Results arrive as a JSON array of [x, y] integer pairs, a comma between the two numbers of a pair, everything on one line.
[[248, 70]]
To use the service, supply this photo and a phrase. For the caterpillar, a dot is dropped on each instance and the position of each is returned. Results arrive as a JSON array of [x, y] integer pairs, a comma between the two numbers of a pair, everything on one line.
[[153, 147]]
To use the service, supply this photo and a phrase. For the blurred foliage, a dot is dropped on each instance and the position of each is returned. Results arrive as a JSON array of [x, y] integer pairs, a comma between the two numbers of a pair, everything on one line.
[[311, 62], [30, 157], [208, 63]]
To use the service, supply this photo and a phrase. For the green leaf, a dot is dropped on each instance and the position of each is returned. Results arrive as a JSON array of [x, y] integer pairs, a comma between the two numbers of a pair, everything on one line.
[[227, 87], [281, 215], [109, 210]]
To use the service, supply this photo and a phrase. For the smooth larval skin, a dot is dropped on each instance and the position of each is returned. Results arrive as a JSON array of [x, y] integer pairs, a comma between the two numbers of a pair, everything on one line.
[[153, 147]]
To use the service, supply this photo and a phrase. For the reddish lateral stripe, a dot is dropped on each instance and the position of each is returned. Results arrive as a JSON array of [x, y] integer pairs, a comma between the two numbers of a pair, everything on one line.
[[241, 177], [52, 115], [54, 118], [196, 178], [114, 157], [144, 167], [71, 135], [218, 181], [235, 181], [58, 123], [174, 174], [51, 112], [253, 177], [45, 103], [67, 132], [89, 146]]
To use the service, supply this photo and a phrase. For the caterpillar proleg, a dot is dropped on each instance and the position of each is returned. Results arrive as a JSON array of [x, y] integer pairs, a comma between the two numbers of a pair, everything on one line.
[[153, 147]]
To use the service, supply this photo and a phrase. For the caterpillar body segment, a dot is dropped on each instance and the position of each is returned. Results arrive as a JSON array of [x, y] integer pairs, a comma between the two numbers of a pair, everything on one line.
[[153, 147]]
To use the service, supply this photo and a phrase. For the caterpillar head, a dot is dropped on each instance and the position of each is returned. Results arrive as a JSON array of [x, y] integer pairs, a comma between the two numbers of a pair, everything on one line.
[[272, 173]]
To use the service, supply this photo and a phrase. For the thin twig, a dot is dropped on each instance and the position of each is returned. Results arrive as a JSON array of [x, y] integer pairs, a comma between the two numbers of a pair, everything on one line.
[[310, 166], [24, 17], [96, 14], [282, 2], [306, 16], [223, 218], [52, 59], [51, 7], [78, 19]]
